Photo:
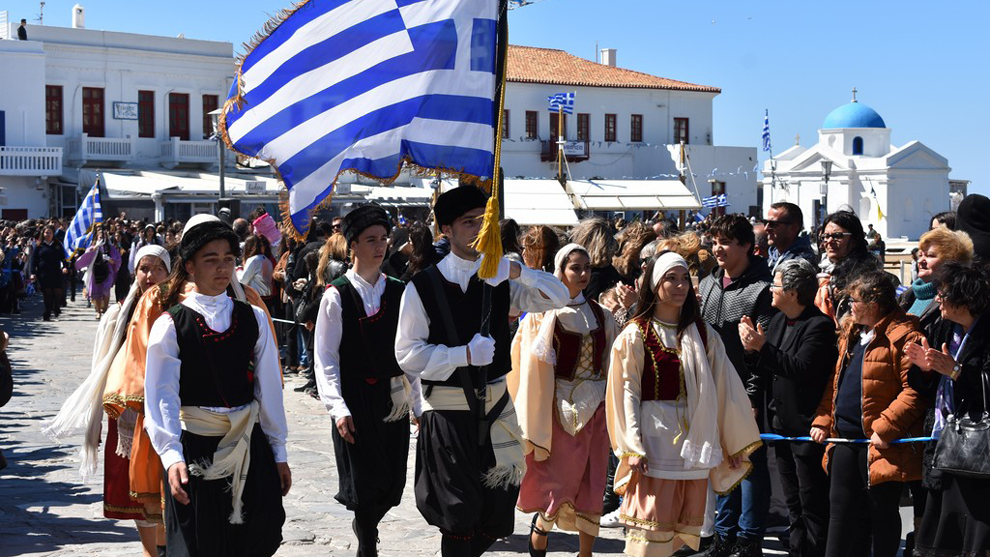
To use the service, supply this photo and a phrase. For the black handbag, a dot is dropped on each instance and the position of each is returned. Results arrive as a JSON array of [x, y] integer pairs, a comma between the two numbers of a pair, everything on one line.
[[963, 447]]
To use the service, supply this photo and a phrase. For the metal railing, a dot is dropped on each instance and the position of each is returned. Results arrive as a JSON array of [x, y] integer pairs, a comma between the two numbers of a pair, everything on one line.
[[30, 161]]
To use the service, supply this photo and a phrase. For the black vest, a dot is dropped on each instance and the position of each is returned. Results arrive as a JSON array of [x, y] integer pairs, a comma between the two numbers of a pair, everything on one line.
[[367, 343], [465, 308], [217, 368]]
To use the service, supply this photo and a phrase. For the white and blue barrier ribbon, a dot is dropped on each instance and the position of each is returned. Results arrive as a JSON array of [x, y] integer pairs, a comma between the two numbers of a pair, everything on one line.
[[772, 437]]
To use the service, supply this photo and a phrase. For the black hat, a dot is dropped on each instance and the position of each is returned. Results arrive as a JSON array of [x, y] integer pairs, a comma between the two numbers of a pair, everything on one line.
[[973, 218], [456, 202], [201, 234], [362, 218]]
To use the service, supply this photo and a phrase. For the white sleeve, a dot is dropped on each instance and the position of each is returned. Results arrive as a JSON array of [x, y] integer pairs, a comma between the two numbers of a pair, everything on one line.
[[161, 392], [251, 268], [537, 291], [417, 357], [131, 262], [268, 387], [327, 354]]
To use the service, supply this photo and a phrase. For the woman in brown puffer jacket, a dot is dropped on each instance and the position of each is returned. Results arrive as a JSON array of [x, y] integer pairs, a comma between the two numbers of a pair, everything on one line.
[[869, 398]]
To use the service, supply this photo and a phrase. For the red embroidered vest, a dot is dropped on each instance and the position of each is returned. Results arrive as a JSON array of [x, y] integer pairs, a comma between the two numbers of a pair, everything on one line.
[[567, 346]]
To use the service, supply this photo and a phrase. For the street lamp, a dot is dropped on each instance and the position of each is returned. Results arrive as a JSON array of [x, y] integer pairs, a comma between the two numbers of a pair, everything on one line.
[[826, 172], [221, 150]]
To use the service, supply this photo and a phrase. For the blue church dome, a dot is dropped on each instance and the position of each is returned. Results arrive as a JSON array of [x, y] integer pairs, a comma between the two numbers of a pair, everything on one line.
[[853, 115]]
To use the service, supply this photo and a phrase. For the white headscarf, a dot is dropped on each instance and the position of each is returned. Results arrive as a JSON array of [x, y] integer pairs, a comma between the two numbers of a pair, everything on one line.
[[563, 254], [663, 264], [155, 251]]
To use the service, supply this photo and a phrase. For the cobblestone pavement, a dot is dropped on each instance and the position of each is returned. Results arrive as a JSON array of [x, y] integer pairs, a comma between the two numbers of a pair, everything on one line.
[[46, 510]]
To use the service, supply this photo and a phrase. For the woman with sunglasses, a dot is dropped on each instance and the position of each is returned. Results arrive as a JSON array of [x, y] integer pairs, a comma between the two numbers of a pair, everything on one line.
[[844, 245], [951, 368], [868, 397]]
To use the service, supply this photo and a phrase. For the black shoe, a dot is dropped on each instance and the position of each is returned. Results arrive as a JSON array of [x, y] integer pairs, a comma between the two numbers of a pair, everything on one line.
[[746, 548], [909, 545], [719, 547], [161, 551], [533, 552], [703, 546]]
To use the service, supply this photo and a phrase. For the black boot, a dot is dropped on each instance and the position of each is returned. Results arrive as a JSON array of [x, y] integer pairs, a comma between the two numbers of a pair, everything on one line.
[[747, 548], [719, 547], [451, 546], [480, 544]]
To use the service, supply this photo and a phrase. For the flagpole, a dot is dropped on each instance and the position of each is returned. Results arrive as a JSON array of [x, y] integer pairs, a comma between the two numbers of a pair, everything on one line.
[[560, 143]]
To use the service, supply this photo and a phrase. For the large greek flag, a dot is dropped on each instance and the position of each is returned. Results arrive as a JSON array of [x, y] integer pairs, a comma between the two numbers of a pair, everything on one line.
[[79, 233], [720, 200], [561, 102], [366, 85]]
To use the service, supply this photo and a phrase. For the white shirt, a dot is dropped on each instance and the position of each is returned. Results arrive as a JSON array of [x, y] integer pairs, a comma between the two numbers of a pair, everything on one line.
[[161, 388], [436, 362], [329, 329], [257, 274]]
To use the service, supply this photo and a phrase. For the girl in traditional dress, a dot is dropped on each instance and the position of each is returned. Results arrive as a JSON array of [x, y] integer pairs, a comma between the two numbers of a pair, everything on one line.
[[213, 408], [101, 261], [678, 415], [83, 410], [557, 383]]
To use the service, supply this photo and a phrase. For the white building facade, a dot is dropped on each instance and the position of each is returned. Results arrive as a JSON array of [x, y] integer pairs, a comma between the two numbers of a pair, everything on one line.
[[896, 189], [82, 99], [625, 125]]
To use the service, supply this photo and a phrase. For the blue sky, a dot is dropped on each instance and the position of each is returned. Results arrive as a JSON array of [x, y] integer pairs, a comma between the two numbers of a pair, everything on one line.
[[922, 65]]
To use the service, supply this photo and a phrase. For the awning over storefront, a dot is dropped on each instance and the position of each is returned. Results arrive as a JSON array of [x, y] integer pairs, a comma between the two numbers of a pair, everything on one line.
[[633, 195], [531, 202]]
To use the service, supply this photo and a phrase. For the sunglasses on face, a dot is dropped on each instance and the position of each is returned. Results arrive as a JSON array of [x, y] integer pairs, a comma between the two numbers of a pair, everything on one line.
[[835, 236]]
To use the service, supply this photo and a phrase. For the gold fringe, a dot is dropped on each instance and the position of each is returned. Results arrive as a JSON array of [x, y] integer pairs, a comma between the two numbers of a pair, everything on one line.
[[746, 451]]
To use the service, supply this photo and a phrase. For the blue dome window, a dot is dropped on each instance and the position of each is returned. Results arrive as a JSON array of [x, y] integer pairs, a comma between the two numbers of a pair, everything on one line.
[[857, 145], [853, 115]]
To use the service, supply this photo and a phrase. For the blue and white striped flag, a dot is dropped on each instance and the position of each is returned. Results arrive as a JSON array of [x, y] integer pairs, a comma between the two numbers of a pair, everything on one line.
[[80, 231], [721, 200], [367, 85], [560, 101], [766, 131]]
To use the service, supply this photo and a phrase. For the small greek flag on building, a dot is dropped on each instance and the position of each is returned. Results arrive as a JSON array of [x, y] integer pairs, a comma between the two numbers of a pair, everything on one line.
[[766, 131], [721, 200], [562, 101], [367, 85], [79, 233]]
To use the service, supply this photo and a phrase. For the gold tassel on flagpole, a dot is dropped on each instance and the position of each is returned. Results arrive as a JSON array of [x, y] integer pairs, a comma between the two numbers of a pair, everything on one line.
[[489, 241]]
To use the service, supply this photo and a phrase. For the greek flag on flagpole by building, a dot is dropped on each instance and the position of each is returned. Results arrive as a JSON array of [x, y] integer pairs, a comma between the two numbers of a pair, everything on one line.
[[367, 85], [561, 101], [766, 131], [79, 233]]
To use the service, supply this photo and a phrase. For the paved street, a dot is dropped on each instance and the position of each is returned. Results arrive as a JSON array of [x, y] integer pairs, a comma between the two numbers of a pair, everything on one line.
[[45, 509]]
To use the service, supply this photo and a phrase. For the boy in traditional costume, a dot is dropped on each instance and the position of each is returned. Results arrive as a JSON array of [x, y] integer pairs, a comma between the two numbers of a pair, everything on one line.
[[678, 415], [213, 408], [559, 367], [359, 380], [454, 337], [83, 410]]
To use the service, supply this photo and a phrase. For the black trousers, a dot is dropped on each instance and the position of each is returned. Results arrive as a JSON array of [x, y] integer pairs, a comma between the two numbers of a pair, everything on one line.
[[805, 487], [53, 301], [860, 511]]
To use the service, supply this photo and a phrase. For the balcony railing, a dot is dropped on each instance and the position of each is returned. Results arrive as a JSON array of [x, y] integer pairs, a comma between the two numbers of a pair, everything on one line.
[[30, 161], [177, 151], [101, 149], [574, 151]]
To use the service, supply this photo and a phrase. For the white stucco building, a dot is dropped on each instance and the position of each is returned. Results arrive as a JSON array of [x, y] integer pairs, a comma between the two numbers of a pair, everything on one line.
[[626, 126], [81, 98], [866, 172]]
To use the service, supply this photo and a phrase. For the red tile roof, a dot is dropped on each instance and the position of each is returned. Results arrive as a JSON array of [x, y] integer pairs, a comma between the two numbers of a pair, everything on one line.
[[529, 64]]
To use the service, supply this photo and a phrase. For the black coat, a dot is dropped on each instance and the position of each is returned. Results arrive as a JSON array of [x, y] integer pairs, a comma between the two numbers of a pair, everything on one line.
[[928, 317], [795, 372], [967, 390], [47, 264]]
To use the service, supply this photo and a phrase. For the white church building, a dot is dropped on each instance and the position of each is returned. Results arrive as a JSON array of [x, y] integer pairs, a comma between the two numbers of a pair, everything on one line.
[[855, 166]]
